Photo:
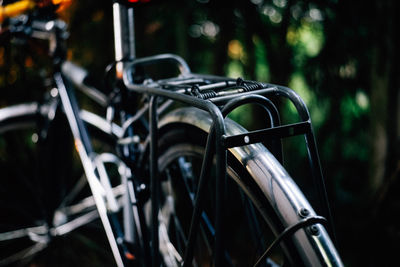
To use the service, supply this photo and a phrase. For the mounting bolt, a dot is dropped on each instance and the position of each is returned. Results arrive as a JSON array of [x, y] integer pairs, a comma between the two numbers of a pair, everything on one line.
[[141, 187], [246, 139], [304, 213], [314, 230]]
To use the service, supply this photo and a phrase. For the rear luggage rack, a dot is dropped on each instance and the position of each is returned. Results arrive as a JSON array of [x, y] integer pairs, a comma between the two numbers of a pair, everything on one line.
[[219, 96]]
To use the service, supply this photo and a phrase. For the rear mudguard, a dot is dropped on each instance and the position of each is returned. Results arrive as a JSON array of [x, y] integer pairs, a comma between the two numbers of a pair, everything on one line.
[[277, 186]]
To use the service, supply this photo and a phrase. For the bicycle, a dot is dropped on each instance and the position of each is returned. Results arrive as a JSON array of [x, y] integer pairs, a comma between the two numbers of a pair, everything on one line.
[[168, 188]]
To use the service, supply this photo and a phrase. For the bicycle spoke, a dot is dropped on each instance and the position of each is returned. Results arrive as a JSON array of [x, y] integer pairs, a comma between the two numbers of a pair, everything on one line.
[[74, 224], [74, 192], [23, 254], [24, 232], [186, 172], [89, 203], [179, 234]]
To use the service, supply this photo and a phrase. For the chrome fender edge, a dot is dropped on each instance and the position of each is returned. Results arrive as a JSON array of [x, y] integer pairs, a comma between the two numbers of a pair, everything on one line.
[[277, 185]]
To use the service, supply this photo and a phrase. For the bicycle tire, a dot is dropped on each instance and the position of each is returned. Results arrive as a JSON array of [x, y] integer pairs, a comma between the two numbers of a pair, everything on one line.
[[258, 175], [28, 206]]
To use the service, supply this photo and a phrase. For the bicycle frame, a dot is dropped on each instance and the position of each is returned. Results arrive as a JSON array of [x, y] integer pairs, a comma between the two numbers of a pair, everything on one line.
[[218, 142], [94, 168], [85, 150], [94, 165]]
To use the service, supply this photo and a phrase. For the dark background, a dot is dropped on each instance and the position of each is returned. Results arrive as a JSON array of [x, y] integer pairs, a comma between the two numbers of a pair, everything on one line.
[[341, 56]]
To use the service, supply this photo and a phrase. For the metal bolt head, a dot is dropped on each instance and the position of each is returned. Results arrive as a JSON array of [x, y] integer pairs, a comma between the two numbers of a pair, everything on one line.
[[141, 187], [314, 230], [304, 213]]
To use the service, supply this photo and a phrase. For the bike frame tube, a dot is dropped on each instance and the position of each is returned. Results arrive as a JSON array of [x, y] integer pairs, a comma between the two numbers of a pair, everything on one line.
[[124, 46], [84, 148]]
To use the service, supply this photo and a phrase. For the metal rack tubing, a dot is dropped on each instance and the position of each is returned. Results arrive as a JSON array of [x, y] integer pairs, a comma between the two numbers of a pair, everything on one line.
[[182, 65], [273, 116], [258, 136], [303, 127], [219, 127], [154, 182], [312, 151], [198, 207], [306, 222], [222, 142]]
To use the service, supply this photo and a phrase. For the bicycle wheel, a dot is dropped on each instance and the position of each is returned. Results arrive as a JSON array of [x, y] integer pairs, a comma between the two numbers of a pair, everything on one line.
[[261, 202], [48, 216]]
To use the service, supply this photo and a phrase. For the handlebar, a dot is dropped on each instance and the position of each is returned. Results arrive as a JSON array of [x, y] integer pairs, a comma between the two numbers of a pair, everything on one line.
[[15, 9], [24, 6], [36, 26]]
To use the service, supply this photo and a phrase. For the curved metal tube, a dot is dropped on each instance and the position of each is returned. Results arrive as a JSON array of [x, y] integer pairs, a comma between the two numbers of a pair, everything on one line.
[[183, 66], [11, 116]]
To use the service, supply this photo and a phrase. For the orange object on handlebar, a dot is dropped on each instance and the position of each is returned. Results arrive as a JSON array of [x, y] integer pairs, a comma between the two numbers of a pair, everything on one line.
[[23, 6]]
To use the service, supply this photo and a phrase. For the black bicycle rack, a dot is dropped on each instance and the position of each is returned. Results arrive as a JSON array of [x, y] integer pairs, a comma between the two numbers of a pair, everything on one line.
[[219, 96]]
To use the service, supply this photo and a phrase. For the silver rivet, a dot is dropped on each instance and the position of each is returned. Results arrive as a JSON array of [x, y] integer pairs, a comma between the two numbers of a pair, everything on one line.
[[304, 212], [35, 138], [54, 92], [314, 230]]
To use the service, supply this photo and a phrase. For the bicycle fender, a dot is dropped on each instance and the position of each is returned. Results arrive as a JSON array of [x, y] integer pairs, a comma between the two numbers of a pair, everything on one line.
[[276, 184]]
